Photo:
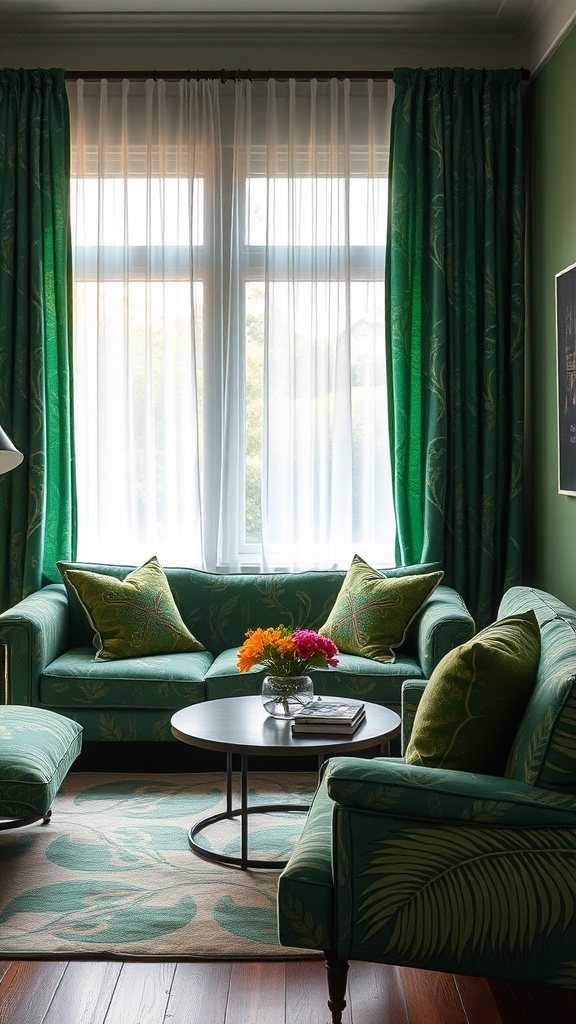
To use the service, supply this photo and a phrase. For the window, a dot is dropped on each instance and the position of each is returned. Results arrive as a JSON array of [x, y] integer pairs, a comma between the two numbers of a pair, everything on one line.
[[229, 355]]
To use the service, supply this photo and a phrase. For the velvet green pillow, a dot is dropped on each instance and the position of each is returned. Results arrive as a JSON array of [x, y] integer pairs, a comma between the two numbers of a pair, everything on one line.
[[373, 611], [134, 617], [471, 708]]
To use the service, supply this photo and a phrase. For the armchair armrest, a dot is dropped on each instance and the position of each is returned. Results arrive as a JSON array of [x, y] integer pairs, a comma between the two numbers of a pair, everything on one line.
[[34, 632], [412, 690], [443, 624], [389, 786]]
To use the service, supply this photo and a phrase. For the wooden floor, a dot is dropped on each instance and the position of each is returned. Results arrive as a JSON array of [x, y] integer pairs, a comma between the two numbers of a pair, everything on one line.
[[263, 993]]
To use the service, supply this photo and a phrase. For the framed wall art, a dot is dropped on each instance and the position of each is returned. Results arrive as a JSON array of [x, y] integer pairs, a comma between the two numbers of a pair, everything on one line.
[[566, 376]]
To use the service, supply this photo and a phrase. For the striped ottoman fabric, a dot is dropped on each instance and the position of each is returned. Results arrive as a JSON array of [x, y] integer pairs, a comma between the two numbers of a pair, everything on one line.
[[37, 747]]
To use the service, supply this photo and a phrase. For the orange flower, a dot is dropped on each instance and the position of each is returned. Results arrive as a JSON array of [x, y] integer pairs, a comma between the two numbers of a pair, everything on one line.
[[262, 643], [284, 645]]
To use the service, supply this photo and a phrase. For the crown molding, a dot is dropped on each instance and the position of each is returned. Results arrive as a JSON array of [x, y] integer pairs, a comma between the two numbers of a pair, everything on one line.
[[122, 27], [547, 24]]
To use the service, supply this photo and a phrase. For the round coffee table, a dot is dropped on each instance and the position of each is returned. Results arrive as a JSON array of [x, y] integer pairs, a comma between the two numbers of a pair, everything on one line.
[[240, 725]]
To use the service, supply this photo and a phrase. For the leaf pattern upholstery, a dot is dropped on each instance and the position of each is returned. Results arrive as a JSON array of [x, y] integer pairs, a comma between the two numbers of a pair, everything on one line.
[[50, 655], [492, 920], [544, 751], [37, 747], [455, 871]]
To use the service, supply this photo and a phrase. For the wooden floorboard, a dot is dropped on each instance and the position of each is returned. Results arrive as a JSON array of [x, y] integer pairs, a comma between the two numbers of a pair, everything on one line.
[[271, 992], [478, 1001], [376, 994], [306, 993], [27, 989], [199, 993], [84, 993]]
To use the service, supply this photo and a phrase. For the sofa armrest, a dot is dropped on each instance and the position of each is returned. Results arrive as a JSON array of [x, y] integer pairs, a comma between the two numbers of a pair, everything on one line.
[[397, 790], [443, 624], [33, 633]]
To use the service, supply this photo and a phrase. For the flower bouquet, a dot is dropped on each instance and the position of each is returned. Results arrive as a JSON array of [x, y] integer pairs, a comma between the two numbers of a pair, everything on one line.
[[287, 655]]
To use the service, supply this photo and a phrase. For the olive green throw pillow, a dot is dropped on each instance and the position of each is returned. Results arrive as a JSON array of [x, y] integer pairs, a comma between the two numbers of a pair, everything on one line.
[[373, 611], [134, 617], [471, 708]]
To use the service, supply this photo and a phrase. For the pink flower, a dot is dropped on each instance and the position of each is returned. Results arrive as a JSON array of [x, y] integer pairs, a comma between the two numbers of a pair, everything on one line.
[[310, 644]]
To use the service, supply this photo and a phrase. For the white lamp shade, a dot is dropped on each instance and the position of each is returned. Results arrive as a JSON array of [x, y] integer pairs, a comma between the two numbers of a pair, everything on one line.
[[10, 457]]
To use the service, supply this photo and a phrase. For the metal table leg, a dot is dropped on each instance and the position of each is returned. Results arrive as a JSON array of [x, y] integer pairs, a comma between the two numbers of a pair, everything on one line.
[[243, 861]]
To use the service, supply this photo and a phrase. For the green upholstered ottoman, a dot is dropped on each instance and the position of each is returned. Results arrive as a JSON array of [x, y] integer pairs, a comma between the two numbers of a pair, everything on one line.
[[37, 747]]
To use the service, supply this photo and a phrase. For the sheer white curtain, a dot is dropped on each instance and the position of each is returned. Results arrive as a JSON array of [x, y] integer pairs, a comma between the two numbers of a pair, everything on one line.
[[229, 355]]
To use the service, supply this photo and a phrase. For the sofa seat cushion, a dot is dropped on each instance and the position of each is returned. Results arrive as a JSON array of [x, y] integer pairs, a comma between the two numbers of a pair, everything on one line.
[[305, 887], [36, 750], [362, 678], [162, 681]]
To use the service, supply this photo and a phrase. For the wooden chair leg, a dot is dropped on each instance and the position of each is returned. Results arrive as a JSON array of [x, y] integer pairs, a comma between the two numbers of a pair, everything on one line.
[[46, 817], [337, 970]]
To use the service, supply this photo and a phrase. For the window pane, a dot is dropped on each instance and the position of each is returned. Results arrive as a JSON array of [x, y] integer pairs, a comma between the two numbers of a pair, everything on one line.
[[139, 211], [311, 211], [138, 377], [325, 351]]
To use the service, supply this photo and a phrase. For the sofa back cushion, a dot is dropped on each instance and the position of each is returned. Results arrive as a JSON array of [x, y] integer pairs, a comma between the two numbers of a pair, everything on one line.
[[219, 608], [544, 751]]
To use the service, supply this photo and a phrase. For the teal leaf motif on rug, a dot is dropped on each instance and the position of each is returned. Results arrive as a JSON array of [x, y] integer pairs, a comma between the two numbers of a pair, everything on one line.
[[278, 840], [140, 799], [129, 850], [129, 923], [113, 875], [256, 923], [93, 911]]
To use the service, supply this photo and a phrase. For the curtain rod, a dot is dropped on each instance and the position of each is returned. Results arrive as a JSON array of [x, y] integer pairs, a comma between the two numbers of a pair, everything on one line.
[[225, 75]]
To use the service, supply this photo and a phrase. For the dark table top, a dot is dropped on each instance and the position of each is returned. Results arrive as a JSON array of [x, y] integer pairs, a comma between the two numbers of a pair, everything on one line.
[[240, 725]]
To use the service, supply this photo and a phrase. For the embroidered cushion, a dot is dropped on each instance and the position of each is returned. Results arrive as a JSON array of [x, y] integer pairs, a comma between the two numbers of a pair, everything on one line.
[[134, 617], [373, 611]]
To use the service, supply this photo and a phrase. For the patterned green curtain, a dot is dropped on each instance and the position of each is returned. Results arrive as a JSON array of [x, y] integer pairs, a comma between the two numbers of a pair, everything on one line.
[[455, 326], [37, 500]]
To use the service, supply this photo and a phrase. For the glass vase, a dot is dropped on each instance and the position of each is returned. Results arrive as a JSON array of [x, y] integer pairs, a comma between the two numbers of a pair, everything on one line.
[[283, 696]]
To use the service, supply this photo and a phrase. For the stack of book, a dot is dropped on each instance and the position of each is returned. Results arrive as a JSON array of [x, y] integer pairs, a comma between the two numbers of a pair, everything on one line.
[[329, 717]]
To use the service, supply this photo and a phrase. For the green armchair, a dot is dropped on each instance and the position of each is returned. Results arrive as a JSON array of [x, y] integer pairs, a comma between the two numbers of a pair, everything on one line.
[[444, 869]]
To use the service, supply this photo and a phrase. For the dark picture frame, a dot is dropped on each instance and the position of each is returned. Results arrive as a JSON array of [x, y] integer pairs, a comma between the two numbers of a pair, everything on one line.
[[566, 378]]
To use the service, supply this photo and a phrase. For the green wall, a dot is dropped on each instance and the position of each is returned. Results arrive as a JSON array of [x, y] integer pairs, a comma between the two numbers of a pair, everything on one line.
[[551, 517]]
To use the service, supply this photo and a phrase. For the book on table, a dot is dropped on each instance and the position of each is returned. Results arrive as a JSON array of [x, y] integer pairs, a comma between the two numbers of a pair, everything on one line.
[[329, 717], [328, 728], [325, 710]]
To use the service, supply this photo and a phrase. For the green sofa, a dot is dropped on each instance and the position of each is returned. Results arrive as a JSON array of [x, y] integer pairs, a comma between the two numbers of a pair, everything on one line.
[[448, 870], [50, 654]]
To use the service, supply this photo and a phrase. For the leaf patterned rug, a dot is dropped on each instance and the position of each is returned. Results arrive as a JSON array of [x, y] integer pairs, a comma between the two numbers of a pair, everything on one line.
[[113, 875]]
